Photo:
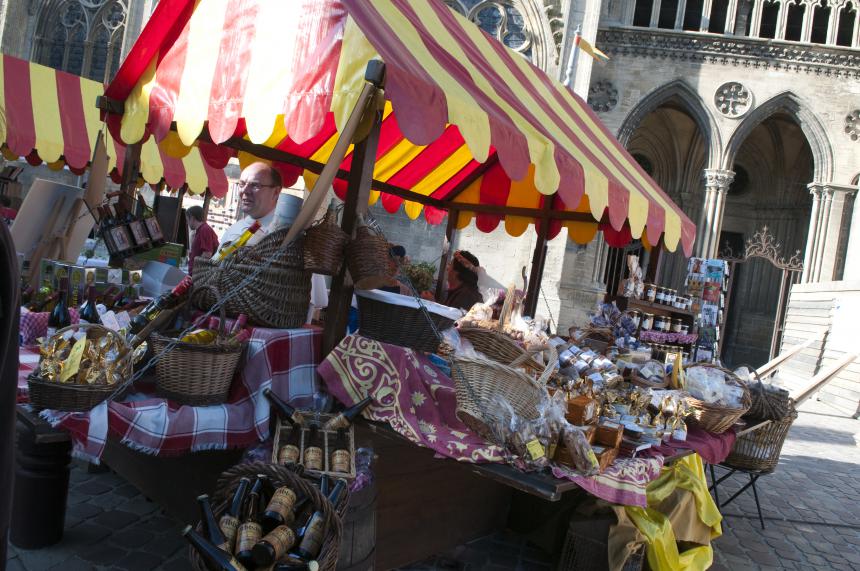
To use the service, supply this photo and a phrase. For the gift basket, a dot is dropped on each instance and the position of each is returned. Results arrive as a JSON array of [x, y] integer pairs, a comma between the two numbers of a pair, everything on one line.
[[718, 397], [79, 367], [400, 319], [277, 296], [367, 257], [199, 370], [499, 347], [324, 244], [282, 492]]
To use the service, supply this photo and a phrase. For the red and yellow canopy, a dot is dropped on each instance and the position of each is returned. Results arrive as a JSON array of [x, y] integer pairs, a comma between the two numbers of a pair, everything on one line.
[[50, 116], [459, 104]]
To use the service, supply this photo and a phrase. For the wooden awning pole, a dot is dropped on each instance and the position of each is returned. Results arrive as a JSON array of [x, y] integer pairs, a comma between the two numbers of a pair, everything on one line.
[[446, 255], [538, 259], [824, 377], [771, 365]]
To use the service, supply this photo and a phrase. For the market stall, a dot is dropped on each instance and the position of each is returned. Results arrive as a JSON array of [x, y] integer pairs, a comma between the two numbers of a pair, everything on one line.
[[452, 123]]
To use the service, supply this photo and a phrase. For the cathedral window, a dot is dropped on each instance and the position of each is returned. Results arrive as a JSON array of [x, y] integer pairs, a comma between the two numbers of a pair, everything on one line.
[[845, 28], [668, 12], [794, 22], [642, 13], [719, 15], [769, 19], [820, 23], [693, 15]]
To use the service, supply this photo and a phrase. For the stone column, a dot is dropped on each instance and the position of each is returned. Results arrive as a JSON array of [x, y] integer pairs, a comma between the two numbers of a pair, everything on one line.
[[821, 235], [837, 203], [706, 15], [731, 17], [679, 15], [655, 13], [814, 215], [755, 25], [806, 28], [781, 18], [717, 182], [833, 25]]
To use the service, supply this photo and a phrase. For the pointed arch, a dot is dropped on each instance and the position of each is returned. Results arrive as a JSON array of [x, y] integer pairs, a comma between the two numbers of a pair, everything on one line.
[[786, 102], [692, 104]]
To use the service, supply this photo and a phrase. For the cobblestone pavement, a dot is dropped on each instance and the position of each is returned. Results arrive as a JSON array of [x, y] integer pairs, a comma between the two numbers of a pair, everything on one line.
[[810, 505]]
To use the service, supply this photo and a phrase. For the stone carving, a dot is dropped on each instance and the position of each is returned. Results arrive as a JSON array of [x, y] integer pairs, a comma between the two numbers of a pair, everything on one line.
[[718, 179], [760, 55], [852, 125], [732, 99], [602, 96]]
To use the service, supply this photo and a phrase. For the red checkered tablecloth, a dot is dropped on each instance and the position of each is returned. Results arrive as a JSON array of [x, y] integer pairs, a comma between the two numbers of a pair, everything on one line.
[[283, 359], [35, 324]]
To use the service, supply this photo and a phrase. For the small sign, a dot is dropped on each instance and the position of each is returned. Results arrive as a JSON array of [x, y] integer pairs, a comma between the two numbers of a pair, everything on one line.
[[123, 319], [73, 362], [535, 449], [109, 320]]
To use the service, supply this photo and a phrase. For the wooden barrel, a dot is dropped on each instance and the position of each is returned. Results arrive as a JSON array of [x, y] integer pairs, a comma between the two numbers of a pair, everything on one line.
[[358, 541]]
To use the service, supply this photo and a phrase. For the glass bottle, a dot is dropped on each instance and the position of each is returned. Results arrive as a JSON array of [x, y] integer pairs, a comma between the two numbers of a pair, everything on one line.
[[228, 249], [104, 231], [119, 233], [137, 229], [341, 459], [60, 316], [279, 510], [345, 418], [168, 300], [153, 228], [89, 313], [210, 527], [250, 531], [274, 545], [229, 522], [312, 536], [283, 409], [313, 459], [290, 453], [213, 558]]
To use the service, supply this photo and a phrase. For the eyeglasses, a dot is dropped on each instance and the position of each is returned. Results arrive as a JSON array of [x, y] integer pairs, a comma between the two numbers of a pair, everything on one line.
[[243, 185]]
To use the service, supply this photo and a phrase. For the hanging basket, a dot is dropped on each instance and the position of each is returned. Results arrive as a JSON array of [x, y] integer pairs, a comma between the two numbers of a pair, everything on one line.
[[277, 296], [324, 245], [498, 346], [368, 258]]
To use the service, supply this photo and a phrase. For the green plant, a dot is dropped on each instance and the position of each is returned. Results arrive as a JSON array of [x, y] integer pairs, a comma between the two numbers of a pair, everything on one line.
[[421, 274]]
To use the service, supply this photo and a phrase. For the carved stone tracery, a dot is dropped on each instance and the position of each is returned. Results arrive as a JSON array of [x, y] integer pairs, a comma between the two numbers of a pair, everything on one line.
[[732, 99], [764, 245], [602, 96], [852, 125]]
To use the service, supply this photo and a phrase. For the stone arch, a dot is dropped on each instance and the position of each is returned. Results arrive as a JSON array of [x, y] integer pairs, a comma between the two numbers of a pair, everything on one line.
[[813, 130], [693, 105]]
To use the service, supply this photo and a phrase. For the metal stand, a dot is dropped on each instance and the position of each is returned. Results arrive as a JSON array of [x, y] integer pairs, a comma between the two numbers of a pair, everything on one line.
[[753, 476]]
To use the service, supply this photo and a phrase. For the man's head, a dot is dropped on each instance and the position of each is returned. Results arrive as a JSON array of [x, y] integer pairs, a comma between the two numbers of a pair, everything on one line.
[[259, 187], [195, 217]]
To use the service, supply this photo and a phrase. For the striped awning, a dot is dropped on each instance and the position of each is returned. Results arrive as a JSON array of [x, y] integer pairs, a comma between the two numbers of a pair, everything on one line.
[[51, 116], [467, 120]]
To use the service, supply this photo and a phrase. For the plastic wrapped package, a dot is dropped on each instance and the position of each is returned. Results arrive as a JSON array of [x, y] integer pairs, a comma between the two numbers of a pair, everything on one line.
[[709, 384]]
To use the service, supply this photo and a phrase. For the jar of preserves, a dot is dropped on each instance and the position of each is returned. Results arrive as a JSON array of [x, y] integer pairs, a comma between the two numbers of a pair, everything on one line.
[[685, 329], [650, 292], [676, 325], [647, 321], [658, 323], [670, 297], [636, 318]]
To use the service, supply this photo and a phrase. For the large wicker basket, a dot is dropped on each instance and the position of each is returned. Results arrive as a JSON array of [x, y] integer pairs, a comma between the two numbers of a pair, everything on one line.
[[324, 245], [193, 374], [398, 324], [499, 347], [760, 449], [479, 384], [281, 476], [73, 397], [713, 418], [368, 257], [278, 296]]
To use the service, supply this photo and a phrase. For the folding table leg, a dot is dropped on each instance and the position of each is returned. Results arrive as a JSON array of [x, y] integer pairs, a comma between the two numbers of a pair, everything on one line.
[[753, 478], [713, 487]]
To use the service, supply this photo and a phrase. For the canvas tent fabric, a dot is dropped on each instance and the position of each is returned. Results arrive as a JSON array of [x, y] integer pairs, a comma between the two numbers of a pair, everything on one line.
[[467, 120], [51, 116]]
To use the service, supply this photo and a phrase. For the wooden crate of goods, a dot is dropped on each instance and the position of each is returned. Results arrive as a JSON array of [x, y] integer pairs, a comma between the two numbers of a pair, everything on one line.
[[319, 449]]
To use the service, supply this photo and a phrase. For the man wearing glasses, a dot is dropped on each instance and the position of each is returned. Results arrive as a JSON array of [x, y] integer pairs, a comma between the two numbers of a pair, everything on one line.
[[259, 187]]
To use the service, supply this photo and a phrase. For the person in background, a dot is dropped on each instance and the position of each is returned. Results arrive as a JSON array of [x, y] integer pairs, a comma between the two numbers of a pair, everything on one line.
[[397, 256], [205, 241], [7, 213], [462, 277]]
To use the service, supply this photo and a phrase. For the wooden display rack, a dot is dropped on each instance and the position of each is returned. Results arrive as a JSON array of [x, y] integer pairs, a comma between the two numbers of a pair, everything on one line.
[[283, 430]]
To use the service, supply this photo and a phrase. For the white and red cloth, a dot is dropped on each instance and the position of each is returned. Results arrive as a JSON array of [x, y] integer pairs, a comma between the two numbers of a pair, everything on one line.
[[35, 324], [283, 359]]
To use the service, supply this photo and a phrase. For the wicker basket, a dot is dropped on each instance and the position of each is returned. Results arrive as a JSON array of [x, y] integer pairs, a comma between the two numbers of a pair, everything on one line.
[[479, 383], [760, 449], [499, 347], [368, 258], [277, 296], [641, 381], [713, 418], [281, 476], [399, 325], [70, 397], [324, 245], [586, 546], [196, 375]]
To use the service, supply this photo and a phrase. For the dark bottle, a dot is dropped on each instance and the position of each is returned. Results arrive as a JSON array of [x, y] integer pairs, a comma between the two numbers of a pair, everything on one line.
[[290, 453], [344, 419], [27, 294], [337, 491], [279, 510], [250, 531], [293, 563], [60, 316], [313, 459], [229, 522], [168, 300], [114, 300], [341, 458], [213, 558], [88, 311], [274, 545], [312, 536], [283, 409], [210, 526], [45, 303], [138, 231], [325, 484]]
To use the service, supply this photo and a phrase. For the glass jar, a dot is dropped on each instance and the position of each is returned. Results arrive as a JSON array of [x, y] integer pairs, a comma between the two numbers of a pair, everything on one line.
[[670, 297], [676, 325], [650, 292], [636, 318], [647, 321], [661, 295], [685, 329], [658, 323]]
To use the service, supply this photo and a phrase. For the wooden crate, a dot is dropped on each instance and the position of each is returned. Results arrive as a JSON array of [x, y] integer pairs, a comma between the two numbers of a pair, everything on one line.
[[283, 429]]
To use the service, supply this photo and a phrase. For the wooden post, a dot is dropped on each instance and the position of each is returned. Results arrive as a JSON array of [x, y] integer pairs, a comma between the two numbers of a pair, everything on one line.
[[207, 198], [357, 195], [446, 255], [654, 261], [180, 194], [128, 186], [538, 260]]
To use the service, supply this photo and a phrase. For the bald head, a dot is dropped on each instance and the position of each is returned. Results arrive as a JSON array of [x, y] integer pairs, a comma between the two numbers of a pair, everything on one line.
[[259, 187]]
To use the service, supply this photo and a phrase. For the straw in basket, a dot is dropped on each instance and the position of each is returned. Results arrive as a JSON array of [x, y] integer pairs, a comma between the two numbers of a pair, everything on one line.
[[72, 397], [196, 375]]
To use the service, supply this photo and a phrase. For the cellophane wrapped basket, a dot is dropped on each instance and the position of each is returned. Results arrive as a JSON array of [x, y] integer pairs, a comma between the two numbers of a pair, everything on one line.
[[498, 347], [71, 397], [281, 476], [277, 296], [715, 418]]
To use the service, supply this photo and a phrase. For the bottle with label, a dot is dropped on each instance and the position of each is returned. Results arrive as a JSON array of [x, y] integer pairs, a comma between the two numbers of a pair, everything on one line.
[[313, 459], [104, 231], [89, 313], [341, 459], [274, 545], [229, 522], [168, 300], [344, 419], [337, 491], [60, 316], [137, 229], [200, 337], [210, 527], [250, 531], [290, 452], [228, 249], [312, 536], [213, 558], [283, 409], [279, 510]]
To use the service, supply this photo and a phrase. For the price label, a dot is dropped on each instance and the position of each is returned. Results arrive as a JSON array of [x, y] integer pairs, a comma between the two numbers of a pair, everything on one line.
[[535, 449], [109, 320], [73, 362]]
